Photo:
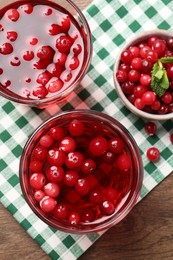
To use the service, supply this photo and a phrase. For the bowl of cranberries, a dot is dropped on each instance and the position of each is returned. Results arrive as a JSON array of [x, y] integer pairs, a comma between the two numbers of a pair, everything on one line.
[[143, 74], [45, 50], [81, 171]]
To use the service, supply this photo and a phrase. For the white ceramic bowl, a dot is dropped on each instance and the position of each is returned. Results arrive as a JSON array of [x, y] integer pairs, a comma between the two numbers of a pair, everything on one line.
[[132, 41]]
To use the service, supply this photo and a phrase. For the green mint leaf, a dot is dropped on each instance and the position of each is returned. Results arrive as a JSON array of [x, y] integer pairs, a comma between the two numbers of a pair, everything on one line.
[[166, 59], [159, 79]]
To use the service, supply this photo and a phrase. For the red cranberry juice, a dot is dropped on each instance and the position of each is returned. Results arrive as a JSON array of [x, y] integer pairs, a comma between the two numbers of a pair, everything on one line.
[[80, 172], [41, 49]]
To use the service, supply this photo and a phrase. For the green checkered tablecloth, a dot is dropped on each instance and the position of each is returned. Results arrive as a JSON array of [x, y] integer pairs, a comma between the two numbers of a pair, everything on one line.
[[111, 22]]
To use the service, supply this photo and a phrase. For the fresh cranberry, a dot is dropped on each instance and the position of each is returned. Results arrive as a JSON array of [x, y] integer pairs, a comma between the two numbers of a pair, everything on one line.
[[146, 66], [156, 105], [139, 90], [98, 146], [54, 29], [43, 78], [37, 181], [64, 43], [39, 195], [96, 196], [145, 80], [107, 207], [125, 67], [33, 41], [135, 51], [170, 43], [159, 46], [35, 166], [28, 55], [71, 178], [163, 109], [149, 97], [67, 144], [76, 128], [55, 85], [52, 189], [127, 87], [56, 157], [136, 63], [116, 145], [126, 56], [121, 75], [57, 133], [144, 51], [40, 153], [88, 215], [153, 154], [171, 137], [12, 36], [74, 218], [55, 174], [151, 40], [123, 162], [167, 97], [170, 72], [61, 211], [13, 14], [150, 128], [48, 204], [74, 160], [40, 92], [152, 56], [88, 166], [6, 48]]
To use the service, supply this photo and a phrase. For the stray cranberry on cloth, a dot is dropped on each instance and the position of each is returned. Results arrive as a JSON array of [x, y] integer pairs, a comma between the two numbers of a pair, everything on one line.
[[111, 23]]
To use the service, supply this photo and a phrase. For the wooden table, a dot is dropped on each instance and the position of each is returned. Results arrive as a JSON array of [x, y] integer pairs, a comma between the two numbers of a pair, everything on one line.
[[145, 234]]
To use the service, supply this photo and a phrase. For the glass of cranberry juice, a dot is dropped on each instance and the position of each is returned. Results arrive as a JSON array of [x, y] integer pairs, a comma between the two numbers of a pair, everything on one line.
[[81, 171], [45, 50]]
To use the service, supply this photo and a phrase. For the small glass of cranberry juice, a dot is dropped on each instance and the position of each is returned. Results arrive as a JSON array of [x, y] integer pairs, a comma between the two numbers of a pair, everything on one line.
[[45, 50], [81, 171]]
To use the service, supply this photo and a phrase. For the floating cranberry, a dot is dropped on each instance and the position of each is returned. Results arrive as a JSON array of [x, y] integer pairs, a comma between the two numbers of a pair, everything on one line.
[[54, 29], [71, 178], [74, 160], [88, 215], [37, 180], [55, 174], [33, 41], [98, 146], [27, 8], [107, 207], [28, 55], [43, 78], [56, 157], [74, 63], [64, 43], [153, 154], [40, 92], [116, 145], [123, 162], [12, 36], [46, 141], [6, 48], [48, 204], [51, 189], [77, 49], [35, 166], [88, 166], [45, 52], [54, 70], [55, 85], [39, 195], [76, 128], [60, 58], [96, 196], [67, 144], [65, 24], [13, 14], [74, 218], [61, 211], [40, 153], [57, 133], [159, 46]]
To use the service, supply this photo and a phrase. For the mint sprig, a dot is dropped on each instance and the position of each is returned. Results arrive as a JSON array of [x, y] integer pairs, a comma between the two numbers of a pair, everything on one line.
[[159, 77]]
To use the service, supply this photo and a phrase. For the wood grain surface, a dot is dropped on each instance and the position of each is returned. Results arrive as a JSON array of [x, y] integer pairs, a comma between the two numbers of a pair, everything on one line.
[[145, 234]]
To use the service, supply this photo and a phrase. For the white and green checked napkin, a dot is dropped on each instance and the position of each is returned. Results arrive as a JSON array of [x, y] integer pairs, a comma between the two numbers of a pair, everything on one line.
[[111, 23]]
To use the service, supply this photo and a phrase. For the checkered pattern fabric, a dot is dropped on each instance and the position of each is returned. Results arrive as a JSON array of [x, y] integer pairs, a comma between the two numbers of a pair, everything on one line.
[[111, 23]]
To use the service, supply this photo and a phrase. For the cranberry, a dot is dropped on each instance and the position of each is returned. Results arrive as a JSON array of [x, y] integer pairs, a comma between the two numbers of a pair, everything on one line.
[[64, 43], [98, 146], [88, 215], [40, 92], [6, 48], [170, 72], [27, 8], [146, 66], [139, 90], [170, 43], [37, 180], [67, 144], [136, 63], [82, 187], [149, 97], [96, 196], [167, 97], [152, 56], [144, 51], [57, 133], [121, 75], [111, 194], [107, 207], [71, 178], [52, 189], [76, 128], [43, 78], [13, 14], [125, 67], [39, 195], [151, 40], [74, 160], [45, 52], [54, 29], [55, 174], [12, 36], [55, 85], [54, 70], [28, 55], [74, 218], [171, 137], [153, 154], [126, 56], [127, 87], [150, 128], [60, 58], [35, 166], [159, 46], [74, 63], [135, 51], [56, 157], [145, 80], [123, 162], [116, 145], [40, 153], [65, 24], [77, 49], [88, 166], [163, 109], [48, 204], [33, 41], [61, 211]]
